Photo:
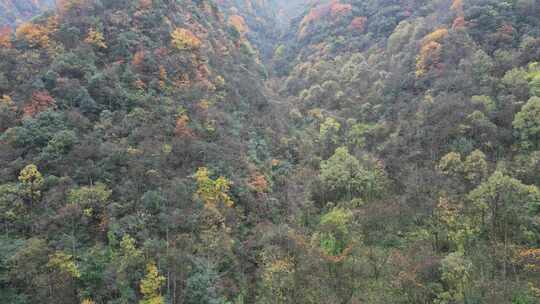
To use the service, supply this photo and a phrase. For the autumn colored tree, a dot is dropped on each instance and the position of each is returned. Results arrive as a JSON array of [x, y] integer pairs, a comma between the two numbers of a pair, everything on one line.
[[212, 192], [182, 128], [34, 34], [5, 37], [358, 24], [41, 101], [184, 39], [150, 286], [238, 23], [96, 39], [31, 182], [430, 51]]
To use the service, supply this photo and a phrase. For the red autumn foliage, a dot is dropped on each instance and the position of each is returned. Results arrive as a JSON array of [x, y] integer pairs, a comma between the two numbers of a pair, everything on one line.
[[338, 9], [358, 24], [41, 101], [334, 9], [5, 37], [459, 22], [506, 29]]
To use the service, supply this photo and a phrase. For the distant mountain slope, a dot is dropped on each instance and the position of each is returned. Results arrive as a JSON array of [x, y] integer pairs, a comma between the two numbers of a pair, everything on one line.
[[15, 11]]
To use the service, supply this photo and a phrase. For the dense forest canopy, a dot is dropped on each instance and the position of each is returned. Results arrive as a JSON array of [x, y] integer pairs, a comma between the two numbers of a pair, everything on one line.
[[270, 151]]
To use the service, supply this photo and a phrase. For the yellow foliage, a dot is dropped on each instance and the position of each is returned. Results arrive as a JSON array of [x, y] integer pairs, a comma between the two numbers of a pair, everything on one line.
[[88, 301], [212, 192], [150, 286], [34, 34], [64, 264], [7, 103], [530, 259], [32, 181], [203, 105], [436, 36], [96, 39], [429, 56], [184, 39]]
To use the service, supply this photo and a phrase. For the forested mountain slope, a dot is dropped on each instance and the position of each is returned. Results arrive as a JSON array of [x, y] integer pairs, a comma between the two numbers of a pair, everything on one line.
[[271, 151]]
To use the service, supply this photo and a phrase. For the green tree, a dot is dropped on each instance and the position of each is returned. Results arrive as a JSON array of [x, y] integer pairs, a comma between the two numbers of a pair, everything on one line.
[[456, 273], [345, 178], [92, 199], [527, 124], [335, 231], [475, 167]]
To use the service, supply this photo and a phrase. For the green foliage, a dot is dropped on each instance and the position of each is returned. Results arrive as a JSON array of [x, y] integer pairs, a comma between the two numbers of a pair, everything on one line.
[[527, 124], [506, 201], [376, 152], [456, 272], [335, 231], [345, 178]]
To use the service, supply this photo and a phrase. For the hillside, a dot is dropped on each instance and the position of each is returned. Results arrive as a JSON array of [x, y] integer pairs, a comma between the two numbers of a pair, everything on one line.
[[270, 151]]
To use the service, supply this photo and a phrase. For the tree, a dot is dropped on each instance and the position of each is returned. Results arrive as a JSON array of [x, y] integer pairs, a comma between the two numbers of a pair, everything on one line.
[[5, 37], [212, 192], [456, 273], [34, 34], [334, 227], [182, 128], [430, 51], [92, 199], [150, 286], [184, 39], [239, 24], [31, 182], [41, 101], [527, 124], [62, 274], [329, 132], [475, 167], [96, 39], [344, 178], [506, 205], [451, 164]]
